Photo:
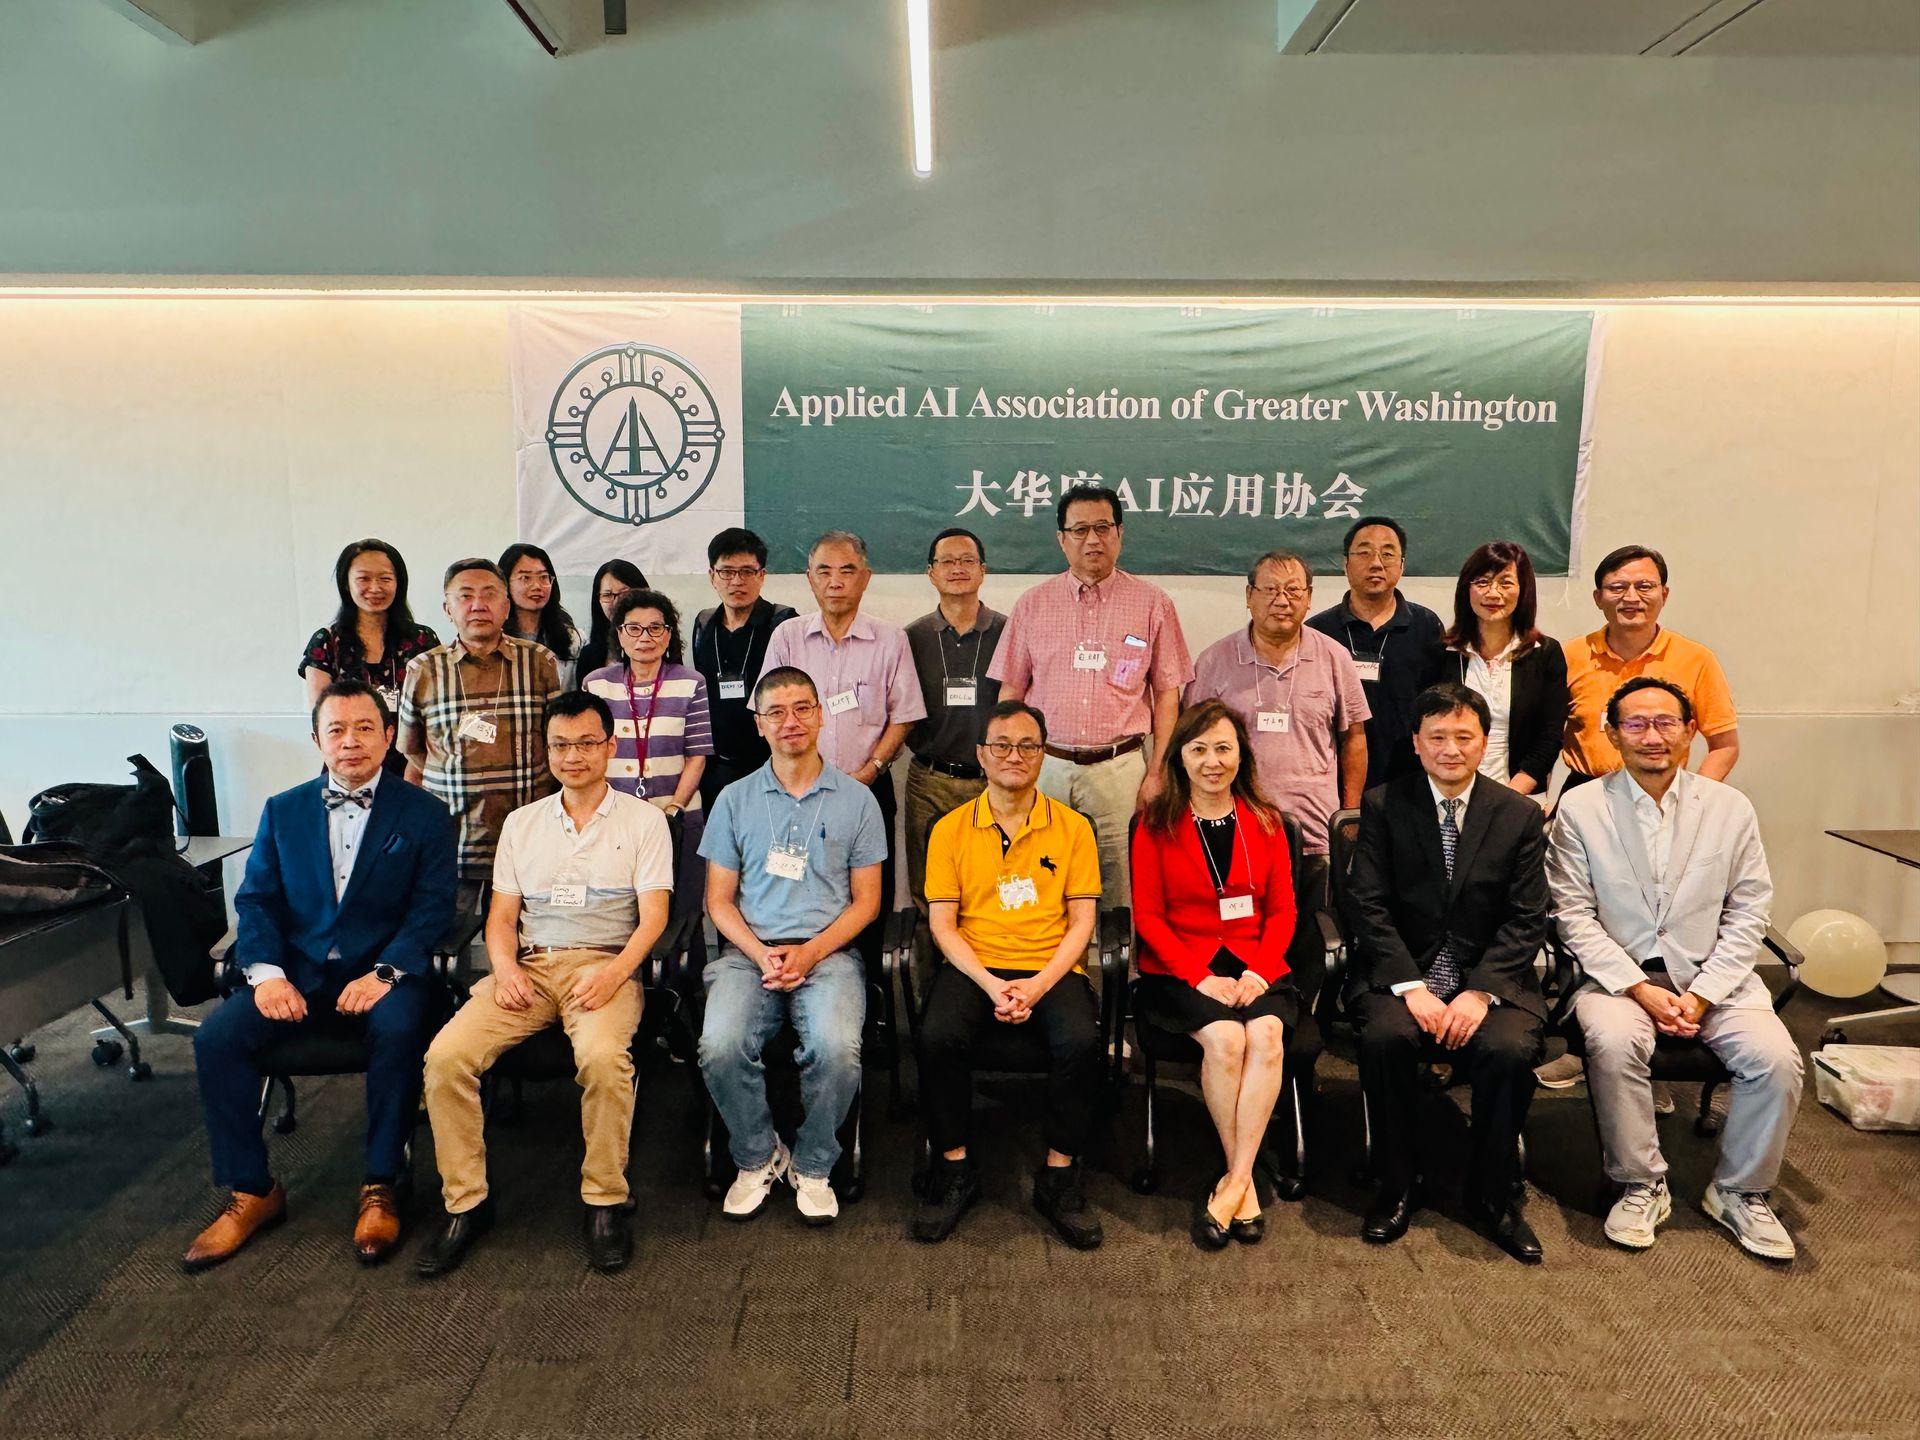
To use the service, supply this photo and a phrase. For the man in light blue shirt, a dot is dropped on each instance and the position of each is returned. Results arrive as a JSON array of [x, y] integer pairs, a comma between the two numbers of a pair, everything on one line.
[[793, 857]]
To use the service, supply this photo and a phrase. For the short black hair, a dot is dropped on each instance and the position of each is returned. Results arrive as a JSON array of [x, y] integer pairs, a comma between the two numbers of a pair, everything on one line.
[[1446, 698], [473, 562], [1086, 492], [1006, 710], [1647, 682], [1626, 555], [569, 703], [735, 541], [957, 532], [347, 690], [1367, 522], [782, 675]]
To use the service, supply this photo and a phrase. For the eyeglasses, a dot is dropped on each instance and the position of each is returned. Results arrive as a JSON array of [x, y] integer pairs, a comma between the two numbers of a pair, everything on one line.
[[607, 597], [1388, 556], [805, 710], [1267, 594], [1617, 589], [731, 573], [1638, 725], [954, 562], [1487, 584], [1025, 749], [575, 747], [651, 632], [1099, 530]]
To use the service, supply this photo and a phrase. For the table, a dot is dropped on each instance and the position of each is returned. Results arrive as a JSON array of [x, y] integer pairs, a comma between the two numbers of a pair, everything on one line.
[[202, 852], [1902, 846]]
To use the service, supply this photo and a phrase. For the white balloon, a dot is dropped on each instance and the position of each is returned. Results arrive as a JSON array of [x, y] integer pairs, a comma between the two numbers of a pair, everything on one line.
[[1845, 955]]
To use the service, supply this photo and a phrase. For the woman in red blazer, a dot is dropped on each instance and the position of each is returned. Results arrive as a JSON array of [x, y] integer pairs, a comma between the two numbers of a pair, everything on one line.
[[1213, 907]]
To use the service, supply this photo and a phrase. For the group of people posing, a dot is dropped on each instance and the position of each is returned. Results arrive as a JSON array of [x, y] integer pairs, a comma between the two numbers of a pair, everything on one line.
[[1066, 758]]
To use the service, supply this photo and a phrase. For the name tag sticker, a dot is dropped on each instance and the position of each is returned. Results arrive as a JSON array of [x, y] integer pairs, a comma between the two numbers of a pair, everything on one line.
[[1089, 657], [784, 863], [839, 704], [732, 687], [1369, 668], [1274, 722], [961, 695], [1018, 890], [1136, 642], [1236, 907], [568, 896], [474, 727]]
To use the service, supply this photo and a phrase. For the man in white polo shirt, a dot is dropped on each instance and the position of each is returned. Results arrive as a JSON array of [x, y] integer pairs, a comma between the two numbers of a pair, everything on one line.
[[581, 885]]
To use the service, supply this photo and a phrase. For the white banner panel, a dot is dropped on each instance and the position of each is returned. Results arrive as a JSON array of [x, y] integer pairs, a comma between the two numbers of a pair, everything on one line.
[[627, 433]]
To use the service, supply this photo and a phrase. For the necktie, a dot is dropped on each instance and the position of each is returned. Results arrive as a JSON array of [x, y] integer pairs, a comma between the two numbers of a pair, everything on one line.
[[1443, 976], [364, 799]]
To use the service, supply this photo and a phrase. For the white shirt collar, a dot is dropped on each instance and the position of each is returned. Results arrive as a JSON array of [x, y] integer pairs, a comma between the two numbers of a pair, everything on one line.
[[333, 783], [1440, 801], [1666, 803]]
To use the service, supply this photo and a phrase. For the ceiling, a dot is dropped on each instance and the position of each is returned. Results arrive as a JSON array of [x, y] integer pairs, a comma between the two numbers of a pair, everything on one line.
[[1751, 29]]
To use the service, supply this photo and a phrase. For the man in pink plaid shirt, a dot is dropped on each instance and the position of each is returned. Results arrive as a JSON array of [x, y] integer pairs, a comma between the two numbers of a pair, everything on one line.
[[1099, 652]]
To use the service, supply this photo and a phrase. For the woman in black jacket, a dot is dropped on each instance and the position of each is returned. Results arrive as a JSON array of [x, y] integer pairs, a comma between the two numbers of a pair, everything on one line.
[[1495, 648]]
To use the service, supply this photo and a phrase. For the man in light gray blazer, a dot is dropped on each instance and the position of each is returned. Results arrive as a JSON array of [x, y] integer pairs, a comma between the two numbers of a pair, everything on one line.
[[1654, 864]]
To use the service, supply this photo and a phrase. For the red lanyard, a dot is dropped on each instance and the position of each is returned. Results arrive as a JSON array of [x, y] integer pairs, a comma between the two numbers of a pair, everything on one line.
[[633, 710]]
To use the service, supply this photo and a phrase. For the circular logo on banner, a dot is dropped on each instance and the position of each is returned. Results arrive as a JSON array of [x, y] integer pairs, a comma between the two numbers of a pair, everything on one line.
[[634, 433]]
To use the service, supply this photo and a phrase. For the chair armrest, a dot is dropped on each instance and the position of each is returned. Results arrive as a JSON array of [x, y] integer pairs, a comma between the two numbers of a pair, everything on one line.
[[223, 947], [1789, 955], [450, 950], [1330, 937], [896, 963], [1115, 932], [1562, 981]]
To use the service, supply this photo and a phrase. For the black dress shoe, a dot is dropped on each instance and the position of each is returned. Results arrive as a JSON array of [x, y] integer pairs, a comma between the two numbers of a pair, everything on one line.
[[1207, 1232], [1508, 1228], [1249, 1232], [456, 1235], [952, 1186], [609, 1238], [1059, 1195], [1388, 1214]]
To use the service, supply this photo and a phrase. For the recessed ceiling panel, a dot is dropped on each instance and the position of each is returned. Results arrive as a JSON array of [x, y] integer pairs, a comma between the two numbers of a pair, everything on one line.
[[1855, 28], [1509, 27]]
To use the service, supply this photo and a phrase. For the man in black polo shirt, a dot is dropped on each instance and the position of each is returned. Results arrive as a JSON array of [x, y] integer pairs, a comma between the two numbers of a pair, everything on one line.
[[1395, 643], [728, 647], [952, 646]]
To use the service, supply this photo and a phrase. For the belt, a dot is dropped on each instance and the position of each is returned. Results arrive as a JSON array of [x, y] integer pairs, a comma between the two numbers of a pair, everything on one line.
[[529, 950], [1094, 754], [952, 768]]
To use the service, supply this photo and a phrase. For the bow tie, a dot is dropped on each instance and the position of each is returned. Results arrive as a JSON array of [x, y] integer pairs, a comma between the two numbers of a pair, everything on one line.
[[336, 798]]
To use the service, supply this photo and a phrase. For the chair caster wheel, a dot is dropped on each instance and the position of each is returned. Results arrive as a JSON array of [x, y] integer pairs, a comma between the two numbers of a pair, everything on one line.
[[22, 1054], [107, 1052], [714, 1189], [285, 1124], [856, 1191], [142, 1071], [1144, 1181], [37, 1125], [1834, 1037], [1289, 1187]]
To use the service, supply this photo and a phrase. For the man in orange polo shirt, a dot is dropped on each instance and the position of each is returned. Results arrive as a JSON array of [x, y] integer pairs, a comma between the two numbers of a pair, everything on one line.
[[1630, 587], [1013, 890]]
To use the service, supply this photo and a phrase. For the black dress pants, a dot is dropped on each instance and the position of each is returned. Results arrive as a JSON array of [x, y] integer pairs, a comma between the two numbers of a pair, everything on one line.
[[1500, 1058], [959, 1015]]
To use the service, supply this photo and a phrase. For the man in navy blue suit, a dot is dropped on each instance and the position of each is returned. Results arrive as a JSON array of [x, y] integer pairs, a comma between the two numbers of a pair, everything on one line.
[[349, 885]]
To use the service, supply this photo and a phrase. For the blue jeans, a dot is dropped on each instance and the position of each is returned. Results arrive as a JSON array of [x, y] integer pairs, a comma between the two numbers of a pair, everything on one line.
[[827, 1011]]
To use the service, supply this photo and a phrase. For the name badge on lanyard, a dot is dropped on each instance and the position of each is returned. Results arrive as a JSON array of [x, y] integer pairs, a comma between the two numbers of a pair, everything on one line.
[[1369, 668], [839, 704], [1236, 907], [960, 695], [733, 687], [1089, 657], [477, 727], [784, 862], [1275, 722]]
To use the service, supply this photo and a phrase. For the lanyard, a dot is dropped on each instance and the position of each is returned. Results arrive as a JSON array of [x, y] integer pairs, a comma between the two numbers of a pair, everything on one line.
[[1213, 871], [973, 665], [460, 681], [640, 737], [806, 835], [1293, 680], [746, 659]]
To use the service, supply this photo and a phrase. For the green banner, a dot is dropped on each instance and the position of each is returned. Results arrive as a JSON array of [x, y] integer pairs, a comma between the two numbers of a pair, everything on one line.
[[1227, 431]]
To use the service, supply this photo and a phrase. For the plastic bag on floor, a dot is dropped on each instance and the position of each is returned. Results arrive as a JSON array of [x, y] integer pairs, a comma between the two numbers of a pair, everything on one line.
[[1876, 1087]]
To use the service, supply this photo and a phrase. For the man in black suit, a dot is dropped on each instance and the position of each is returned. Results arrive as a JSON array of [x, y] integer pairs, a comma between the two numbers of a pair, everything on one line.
[[1448, 902]]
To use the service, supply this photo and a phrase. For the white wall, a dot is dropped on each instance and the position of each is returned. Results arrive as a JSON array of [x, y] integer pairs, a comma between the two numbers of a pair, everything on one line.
[[177, 474]]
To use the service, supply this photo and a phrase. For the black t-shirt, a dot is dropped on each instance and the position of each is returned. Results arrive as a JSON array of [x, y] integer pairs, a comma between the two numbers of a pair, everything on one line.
[[720, 654]]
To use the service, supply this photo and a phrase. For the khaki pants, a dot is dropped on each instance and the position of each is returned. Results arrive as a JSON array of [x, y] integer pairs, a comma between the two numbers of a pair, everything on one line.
[[481, 1032], [930, 795], [1105, 793]]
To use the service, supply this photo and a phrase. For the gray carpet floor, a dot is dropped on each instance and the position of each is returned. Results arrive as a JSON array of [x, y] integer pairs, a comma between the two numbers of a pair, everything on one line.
[[771, 1329]]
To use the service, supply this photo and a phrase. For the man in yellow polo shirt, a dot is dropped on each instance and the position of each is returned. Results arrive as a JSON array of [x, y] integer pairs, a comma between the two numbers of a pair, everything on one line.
[[1630, 587], [1013, 892]]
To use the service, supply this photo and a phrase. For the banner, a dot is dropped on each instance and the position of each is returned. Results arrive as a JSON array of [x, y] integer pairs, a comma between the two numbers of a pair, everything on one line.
[[1227, 430]]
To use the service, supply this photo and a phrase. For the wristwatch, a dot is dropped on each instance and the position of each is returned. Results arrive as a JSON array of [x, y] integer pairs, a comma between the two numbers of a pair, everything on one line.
[[386, 974]]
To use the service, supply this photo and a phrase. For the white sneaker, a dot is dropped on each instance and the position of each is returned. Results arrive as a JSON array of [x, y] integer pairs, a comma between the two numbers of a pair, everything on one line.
[[1636, 1215], [1561, 1074], [817, 1203], [1751, 1219], [1662, 1098], [748, 1193]]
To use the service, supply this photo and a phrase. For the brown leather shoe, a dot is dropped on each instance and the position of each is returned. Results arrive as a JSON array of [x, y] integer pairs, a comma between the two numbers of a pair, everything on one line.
[[245, 1216], [377, 1230]]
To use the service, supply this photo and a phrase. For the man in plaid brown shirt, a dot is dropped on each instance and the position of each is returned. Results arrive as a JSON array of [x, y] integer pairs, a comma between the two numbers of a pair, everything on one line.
[[470, 715]]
